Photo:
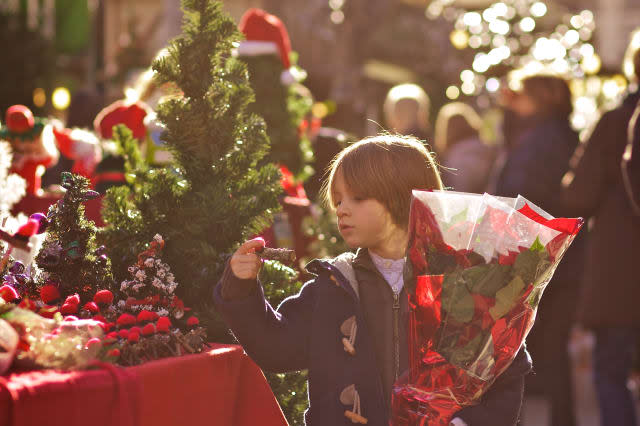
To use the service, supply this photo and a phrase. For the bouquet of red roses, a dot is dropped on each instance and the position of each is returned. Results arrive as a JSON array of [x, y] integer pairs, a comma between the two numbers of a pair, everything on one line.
[[476, 268]]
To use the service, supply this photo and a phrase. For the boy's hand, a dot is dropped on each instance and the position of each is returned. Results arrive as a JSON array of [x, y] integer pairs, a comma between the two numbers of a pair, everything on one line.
[[245, 264]]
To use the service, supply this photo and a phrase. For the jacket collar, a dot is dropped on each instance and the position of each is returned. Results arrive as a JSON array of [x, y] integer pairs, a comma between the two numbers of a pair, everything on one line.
[[364, 261]]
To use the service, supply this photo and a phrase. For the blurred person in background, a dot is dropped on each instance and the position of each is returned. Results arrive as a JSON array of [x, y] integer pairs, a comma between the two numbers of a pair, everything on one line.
[[608, 305], [537, 157], [465, 159], [406, 111]]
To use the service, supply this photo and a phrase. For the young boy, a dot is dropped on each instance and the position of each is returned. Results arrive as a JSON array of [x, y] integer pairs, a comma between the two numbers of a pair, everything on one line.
[[347, 326]]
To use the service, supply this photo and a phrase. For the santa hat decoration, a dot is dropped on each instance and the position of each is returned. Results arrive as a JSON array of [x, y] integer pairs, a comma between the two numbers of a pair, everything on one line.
[[27, 230], [21, 124], [130, 114], [266, 34], [81, 146]]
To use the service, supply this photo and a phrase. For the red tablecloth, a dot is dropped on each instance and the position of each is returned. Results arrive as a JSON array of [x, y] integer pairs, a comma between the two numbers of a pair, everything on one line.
[[219, 387]]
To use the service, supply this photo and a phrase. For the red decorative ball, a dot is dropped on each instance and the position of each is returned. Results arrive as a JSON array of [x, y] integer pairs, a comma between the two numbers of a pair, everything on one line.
[[49, 294], [8, 293], [123, 333], [73, 300], [104, 297], [134, 337], [145, 316], [148, 329], [135, 330], [115, 353], [70, 318], [68, 309], [91, 307], [125, 320], [192, 321], [163, 324]]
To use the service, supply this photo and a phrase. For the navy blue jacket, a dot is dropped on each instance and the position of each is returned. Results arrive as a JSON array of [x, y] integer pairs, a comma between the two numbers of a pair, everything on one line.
[[306, 332]]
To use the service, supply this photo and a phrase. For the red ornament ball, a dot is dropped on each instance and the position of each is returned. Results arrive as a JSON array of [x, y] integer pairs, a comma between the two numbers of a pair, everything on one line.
[[148, 329], [49, 294], [163, 324], [103, 297], [9, 294]]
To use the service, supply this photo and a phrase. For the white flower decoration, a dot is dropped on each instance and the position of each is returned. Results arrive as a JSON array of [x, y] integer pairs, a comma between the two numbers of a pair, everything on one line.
[[149, 262]]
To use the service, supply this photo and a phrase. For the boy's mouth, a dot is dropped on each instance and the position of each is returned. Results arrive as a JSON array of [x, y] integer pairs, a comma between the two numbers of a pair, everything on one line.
[[343, 227]]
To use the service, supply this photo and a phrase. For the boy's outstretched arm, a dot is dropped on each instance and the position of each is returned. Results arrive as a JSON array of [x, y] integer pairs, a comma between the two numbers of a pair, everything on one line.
[[501, 404], [276, 340]]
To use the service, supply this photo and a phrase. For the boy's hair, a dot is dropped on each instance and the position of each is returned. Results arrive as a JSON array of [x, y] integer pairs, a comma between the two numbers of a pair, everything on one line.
[[385, 168]]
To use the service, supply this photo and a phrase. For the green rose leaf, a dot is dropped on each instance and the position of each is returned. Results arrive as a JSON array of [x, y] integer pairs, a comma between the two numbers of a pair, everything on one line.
[[507, 297], [537, 246], [456, 299], [487, 279]]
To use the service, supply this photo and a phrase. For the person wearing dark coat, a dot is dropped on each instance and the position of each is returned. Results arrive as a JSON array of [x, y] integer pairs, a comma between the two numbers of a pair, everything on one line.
[[536, 161], [609, 303], [347, 325]]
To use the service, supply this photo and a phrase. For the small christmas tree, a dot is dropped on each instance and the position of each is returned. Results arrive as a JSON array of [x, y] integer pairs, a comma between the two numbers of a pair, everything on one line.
[[213, 195], [70, 256]]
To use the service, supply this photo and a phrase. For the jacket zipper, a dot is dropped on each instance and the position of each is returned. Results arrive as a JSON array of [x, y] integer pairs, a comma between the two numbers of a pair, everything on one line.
[[396, 332]]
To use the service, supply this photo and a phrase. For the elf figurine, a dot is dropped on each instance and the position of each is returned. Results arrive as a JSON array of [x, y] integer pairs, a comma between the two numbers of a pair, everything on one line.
[[33, 146]]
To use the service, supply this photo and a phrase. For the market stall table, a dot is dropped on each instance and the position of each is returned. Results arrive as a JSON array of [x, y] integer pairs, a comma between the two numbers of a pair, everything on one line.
[[221, 386]]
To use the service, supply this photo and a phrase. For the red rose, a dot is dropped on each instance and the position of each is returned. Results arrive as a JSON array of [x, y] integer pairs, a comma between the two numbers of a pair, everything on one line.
[[147, 316], [126, 319], [148, 330], [73, 300], [134, 337], [163, 324], [91, 307], [49, 294], [8, 293], [103, 297], [192, 321], [69, 308]]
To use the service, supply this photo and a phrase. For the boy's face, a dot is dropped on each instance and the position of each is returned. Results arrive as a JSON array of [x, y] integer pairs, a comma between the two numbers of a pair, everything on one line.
[[364, 223]]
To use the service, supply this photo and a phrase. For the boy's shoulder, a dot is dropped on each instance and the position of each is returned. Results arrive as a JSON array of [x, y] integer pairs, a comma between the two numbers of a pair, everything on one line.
[[340, 266]]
